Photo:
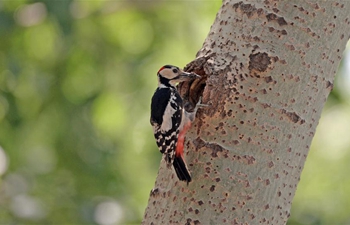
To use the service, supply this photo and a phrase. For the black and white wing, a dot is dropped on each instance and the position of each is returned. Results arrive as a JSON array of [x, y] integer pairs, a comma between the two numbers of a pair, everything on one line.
[[166, 115]]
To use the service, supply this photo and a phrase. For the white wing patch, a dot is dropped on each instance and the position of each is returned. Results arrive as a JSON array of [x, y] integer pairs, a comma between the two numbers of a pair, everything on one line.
[[168, 114]]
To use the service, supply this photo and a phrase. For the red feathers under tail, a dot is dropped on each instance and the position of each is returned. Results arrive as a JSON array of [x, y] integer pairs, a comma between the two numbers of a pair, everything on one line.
[[179, 163]]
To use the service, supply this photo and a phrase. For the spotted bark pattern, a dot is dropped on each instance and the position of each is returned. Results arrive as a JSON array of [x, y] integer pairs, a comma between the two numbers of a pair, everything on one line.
[[268, 68]]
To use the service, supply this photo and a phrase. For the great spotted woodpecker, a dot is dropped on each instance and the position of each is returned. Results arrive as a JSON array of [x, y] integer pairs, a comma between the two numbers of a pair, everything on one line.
[[169, 119]]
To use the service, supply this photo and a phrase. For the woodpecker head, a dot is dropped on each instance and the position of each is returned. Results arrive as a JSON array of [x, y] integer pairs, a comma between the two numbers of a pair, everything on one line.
[[171, 75]]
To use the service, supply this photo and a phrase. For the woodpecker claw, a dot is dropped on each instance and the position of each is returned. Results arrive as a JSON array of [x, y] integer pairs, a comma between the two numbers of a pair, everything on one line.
[[200, 105], [192, 114]]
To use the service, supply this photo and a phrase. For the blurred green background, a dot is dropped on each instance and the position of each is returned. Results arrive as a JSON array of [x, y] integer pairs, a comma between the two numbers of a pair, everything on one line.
[[76, 79]]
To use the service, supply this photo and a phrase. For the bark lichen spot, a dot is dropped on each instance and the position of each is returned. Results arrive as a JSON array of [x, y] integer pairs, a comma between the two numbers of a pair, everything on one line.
[[280, 20], [247, 9], [293, 116], [212, 188], [154, 192], [259, 61]]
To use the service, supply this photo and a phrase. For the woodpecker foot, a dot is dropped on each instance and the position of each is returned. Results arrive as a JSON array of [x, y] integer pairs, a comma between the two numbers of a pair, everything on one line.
[[191, 115], [200, 105]]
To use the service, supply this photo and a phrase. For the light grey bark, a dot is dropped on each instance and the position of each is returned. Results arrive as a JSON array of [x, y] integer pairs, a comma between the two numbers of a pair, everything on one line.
[[268, 67]]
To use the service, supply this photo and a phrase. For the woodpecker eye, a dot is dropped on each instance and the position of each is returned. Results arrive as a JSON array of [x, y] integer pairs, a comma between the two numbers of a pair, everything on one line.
[[175, 70]]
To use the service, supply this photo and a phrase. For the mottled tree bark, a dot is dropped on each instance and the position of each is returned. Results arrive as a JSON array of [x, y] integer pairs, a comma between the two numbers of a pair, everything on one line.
[[267, 67]]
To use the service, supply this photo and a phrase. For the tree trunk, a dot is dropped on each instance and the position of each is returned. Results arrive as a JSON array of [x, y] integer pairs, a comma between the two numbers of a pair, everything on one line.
[[267, 70]]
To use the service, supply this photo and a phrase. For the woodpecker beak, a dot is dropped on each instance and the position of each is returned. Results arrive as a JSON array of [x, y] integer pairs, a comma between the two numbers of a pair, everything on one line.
[[187, 76]]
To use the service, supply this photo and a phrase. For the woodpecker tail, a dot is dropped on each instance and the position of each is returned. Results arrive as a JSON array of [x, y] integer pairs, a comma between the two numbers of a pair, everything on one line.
[[181, 169]]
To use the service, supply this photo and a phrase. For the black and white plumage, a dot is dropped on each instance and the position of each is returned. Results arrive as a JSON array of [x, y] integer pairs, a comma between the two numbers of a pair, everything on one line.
[[169, 120], [166, 115]]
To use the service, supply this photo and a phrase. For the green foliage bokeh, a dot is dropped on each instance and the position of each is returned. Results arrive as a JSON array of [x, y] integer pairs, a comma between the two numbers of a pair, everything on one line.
[[76, 79]]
